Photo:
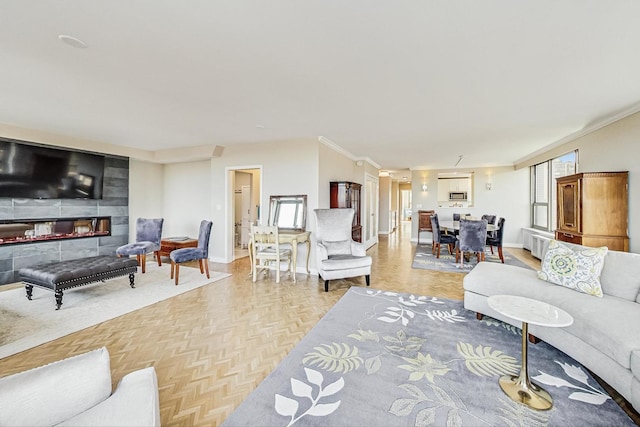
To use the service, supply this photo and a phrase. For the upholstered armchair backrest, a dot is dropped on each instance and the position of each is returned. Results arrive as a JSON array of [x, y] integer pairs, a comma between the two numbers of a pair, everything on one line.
[[149, 230], [473, 235], [203, 237], [334, 225]]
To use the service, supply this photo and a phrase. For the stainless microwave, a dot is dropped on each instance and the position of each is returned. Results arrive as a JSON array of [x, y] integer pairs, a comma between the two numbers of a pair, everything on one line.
[[457, 196]]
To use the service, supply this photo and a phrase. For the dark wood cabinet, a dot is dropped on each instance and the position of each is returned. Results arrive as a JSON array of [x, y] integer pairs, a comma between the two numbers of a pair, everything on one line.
[[345, 194], [593, 209]]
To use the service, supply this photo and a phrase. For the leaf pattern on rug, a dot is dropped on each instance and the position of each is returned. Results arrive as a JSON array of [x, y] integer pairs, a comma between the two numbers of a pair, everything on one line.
[[490, 321], [436, 373], [516, 415], [288, 407], [483, 361], [402, 343], [369, 335], [334, 358], [588, 395], [424, 366]]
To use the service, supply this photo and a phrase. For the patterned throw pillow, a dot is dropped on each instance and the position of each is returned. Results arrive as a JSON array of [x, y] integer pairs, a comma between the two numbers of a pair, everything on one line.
[[574, 269]]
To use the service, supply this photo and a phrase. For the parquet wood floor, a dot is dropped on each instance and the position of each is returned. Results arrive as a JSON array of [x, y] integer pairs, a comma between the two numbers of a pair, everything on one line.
[[212, 346]]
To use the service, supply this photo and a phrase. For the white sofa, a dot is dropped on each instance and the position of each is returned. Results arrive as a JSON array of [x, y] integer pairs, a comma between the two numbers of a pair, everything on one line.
[[605, 335], [77, 392]]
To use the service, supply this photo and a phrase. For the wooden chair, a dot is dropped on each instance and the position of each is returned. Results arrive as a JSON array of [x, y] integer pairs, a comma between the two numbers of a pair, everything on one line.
[[265, 245], [424, 222]]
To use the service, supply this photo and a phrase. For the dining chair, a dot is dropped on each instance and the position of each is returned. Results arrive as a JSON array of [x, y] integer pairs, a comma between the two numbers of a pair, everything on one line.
[[497, 239], [199, 253], [472, 239], [265, 245], [439, 238], [491, 219], [148, 236]]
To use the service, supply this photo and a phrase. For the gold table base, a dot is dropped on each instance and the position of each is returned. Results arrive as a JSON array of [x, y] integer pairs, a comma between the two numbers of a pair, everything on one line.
[[525, 392], [520, 388]]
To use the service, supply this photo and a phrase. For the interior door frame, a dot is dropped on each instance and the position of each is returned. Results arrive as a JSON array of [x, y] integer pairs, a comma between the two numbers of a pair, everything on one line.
[[229, 214], [370, 211]]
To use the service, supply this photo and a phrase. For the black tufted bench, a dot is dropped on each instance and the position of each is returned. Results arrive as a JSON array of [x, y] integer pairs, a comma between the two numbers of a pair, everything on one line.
[[58, 276]]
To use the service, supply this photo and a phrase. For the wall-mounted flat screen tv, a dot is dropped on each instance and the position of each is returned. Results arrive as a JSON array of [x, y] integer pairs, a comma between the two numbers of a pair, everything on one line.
[[41, 172]]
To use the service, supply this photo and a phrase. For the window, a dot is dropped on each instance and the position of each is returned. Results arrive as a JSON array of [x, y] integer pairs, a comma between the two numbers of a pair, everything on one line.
[[543, 188]]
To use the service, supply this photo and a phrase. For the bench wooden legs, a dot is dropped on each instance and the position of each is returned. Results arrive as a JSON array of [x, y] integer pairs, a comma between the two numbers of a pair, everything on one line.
[[58, 299], [58, 294]]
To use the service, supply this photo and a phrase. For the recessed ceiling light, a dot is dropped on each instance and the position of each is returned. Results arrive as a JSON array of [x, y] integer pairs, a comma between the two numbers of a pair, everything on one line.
[[72, 41], [259, 126]]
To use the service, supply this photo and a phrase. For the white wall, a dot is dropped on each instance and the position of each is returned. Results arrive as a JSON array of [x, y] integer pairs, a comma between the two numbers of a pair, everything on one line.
[[287, 167], [187, 199], [146, 193], [508, 198], [384, 214], [334, 166], [615, 147]]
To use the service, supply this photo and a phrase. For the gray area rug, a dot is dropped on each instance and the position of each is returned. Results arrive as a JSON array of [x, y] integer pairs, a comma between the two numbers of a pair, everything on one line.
[[389, 359], [26, 324], [425, 260]]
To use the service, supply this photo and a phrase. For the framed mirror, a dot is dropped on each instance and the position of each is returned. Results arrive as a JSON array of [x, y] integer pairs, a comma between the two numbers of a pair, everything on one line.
[[288, 212]]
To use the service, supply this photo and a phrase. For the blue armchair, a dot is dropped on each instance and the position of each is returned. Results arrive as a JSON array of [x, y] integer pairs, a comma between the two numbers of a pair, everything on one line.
[[200, 254], [148, 236]]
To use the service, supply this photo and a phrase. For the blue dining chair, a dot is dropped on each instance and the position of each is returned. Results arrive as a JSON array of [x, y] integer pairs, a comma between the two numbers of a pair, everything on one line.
[[148, 236], [200, 253], [472, 238], [439, 238]]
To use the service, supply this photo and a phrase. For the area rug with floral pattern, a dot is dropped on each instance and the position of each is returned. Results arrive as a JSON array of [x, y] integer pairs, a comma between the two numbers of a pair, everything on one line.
[[424, 259], [382, 358]]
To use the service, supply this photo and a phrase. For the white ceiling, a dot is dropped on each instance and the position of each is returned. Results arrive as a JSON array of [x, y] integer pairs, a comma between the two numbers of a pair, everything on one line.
[[407, 84]]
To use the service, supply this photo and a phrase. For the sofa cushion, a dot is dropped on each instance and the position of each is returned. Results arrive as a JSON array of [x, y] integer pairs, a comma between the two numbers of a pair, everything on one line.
[[635, 363], [53, 393], [621, 275], [577, 269]]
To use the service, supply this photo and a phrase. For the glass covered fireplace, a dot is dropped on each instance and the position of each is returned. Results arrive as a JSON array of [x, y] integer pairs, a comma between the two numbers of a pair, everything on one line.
[[20, 231]]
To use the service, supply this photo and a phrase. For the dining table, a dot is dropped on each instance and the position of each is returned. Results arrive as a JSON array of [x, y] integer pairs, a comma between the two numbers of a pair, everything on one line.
[[455, 225]]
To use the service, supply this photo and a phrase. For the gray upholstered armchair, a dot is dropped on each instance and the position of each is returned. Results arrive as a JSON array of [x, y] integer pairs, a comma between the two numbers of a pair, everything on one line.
[[338, 256], [148, 236]]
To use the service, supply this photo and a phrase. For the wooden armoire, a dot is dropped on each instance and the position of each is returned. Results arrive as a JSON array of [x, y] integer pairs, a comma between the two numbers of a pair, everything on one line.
[[593, 209], [345, 194]]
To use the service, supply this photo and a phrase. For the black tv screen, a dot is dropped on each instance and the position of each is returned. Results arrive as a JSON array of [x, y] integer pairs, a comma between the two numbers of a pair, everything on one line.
[[39, 172]]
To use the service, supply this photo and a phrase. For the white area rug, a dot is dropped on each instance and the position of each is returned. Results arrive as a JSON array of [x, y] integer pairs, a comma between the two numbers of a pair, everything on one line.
[[25, 324]]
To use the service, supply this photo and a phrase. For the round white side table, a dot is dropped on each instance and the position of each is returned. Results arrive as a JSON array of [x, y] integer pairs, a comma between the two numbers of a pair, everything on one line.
[[527, 310]]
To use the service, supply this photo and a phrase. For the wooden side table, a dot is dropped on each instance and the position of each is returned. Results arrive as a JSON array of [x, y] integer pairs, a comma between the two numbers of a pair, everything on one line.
[[171, 243]]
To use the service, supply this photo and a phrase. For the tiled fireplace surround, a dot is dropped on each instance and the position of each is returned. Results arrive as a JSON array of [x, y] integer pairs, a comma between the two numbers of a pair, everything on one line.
[[115, 203]]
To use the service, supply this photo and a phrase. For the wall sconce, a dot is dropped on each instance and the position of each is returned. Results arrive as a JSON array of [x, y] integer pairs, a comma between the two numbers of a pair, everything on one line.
[[488, 185], [424, 187]]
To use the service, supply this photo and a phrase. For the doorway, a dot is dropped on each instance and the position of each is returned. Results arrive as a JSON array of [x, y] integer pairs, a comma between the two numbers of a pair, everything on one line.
[[245, 208], [370, 211]]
